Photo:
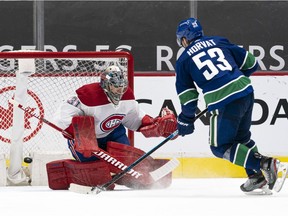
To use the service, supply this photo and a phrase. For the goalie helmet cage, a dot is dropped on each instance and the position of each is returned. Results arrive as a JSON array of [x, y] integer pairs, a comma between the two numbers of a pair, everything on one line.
[[43, 81]]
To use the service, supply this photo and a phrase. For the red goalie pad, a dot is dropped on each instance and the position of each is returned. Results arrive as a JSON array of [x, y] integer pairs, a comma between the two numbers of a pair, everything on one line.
[[84, 135], [63, 172], [128, 155]]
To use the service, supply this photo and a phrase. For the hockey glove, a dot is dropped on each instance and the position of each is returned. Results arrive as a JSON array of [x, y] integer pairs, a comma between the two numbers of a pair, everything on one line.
[[159, 126], [185, 125]]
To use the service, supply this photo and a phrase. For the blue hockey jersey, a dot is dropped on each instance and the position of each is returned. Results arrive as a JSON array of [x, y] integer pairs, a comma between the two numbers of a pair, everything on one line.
[[219, 68]]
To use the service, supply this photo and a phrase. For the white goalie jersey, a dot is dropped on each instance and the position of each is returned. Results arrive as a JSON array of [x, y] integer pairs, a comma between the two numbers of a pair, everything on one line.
[[91, 100]]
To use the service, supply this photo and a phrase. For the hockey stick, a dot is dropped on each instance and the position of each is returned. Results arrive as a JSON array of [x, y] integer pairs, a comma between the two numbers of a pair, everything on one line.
[[156, 174], [104, 187], [28, 109]]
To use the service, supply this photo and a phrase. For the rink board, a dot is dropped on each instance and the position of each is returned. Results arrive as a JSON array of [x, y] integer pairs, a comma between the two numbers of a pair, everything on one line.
[[269, 131]]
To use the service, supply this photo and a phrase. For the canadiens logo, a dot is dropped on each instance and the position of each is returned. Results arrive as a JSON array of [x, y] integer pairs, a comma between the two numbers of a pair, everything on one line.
[[111, 122]]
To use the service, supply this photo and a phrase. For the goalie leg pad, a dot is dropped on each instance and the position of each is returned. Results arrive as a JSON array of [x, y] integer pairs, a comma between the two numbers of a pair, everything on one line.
[[57, 176], [128, 155], [63, 172]]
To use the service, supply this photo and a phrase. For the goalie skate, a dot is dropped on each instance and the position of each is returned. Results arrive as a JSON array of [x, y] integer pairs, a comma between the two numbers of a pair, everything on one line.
[[282, 170]]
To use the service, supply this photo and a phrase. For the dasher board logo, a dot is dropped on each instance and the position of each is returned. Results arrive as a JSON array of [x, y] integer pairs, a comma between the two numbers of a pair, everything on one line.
[[31, 125]]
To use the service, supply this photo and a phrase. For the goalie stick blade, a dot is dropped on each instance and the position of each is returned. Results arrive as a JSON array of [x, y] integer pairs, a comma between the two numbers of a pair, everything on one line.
[[165, 169], [84, 189], [282, 169]]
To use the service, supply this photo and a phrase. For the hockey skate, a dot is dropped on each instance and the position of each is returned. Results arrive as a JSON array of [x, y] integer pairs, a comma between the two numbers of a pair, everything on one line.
[[269, 167], [256, 184], [272, 168]]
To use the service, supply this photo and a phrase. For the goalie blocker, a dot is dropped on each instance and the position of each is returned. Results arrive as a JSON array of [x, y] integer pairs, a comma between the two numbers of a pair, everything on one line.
[[62, 173]]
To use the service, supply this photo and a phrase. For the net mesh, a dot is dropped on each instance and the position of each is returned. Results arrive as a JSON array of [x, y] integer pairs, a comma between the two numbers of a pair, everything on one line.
[[54, 80]]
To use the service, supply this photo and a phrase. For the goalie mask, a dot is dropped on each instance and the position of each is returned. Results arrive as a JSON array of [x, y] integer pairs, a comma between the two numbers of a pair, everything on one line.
[[114, 82]]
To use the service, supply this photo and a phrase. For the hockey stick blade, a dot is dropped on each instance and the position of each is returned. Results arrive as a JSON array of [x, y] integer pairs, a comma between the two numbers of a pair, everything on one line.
[[165, 169], [282, 169]]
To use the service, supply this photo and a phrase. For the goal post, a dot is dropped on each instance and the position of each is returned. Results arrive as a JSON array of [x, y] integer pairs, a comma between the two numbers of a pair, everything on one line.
[[26, 67], [42, 81]]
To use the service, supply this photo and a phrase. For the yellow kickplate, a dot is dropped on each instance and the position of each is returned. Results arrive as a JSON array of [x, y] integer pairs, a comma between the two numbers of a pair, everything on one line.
[[210, 168]]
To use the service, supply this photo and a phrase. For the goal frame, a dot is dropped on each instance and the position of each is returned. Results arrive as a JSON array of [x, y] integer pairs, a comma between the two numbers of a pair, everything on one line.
[[81, 55]]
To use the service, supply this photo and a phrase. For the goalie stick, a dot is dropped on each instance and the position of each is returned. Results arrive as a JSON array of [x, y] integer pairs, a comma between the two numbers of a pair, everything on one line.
[[156, 174], [27, 109], [97, 189]]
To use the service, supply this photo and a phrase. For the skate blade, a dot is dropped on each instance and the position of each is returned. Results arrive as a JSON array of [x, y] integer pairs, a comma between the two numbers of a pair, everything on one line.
[[282, 169], [261, 191]]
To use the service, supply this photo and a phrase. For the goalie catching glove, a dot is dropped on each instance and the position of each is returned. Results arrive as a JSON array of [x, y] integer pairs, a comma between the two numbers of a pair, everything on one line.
[[162, 125]]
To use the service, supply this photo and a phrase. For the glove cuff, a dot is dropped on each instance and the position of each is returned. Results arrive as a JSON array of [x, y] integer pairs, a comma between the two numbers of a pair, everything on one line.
[[186, 119]]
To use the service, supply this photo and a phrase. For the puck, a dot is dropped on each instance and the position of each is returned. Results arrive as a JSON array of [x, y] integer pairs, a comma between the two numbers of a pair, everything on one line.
[[28, 160]]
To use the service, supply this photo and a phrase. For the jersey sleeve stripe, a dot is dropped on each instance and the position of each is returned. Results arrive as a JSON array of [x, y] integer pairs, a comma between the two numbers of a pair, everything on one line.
[[188, 96], [249, 62], [246, 55]]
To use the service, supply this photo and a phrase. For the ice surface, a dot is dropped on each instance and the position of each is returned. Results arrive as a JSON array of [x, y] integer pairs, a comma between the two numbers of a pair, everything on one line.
[[185, 197]]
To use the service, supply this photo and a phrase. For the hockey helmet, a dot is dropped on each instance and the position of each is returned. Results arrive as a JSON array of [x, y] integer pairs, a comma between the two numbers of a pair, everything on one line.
[[114, 82], [190, 29]]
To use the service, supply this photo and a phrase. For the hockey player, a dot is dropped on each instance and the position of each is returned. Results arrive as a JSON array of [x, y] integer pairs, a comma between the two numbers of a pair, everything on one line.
[[221, 70], [113, 108]]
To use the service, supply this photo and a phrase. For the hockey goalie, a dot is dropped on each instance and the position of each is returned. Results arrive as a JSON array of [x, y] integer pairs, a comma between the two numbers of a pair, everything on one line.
[[97, 117]]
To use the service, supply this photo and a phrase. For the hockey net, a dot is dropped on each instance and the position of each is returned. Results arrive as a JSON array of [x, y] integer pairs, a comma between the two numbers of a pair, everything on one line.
[[51, 78]]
